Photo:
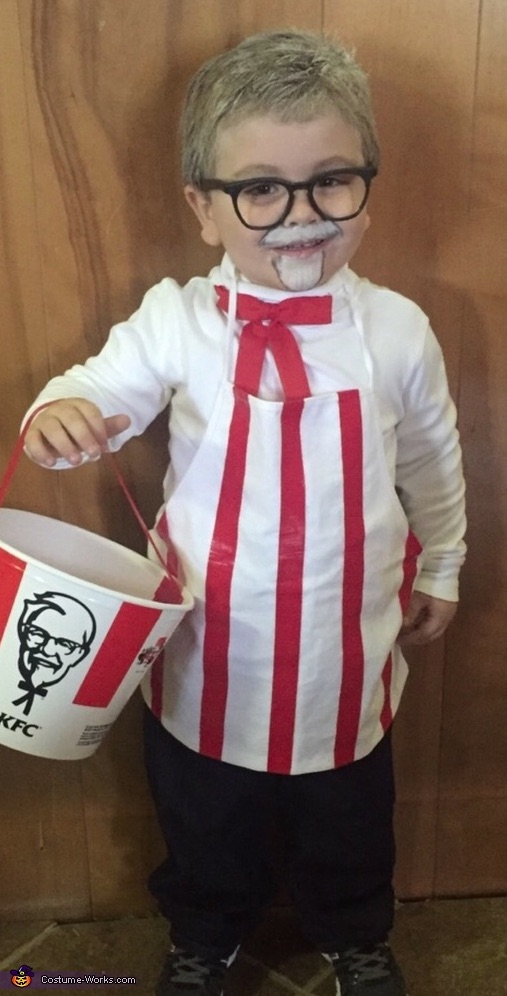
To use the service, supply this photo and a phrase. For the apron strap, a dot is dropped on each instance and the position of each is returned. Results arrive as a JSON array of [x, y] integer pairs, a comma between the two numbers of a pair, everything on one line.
[[267, 328]]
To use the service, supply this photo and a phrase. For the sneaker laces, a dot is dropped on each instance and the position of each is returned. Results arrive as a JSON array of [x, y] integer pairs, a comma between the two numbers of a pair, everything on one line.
[[364, 965], [192, 970]]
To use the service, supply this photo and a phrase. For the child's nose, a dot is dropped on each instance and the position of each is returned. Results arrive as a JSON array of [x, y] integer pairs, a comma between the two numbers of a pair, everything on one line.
[[302, 211]]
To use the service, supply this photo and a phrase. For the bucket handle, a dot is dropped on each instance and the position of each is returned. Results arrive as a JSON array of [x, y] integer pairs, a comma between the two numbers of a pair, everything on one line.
[[175, 589]]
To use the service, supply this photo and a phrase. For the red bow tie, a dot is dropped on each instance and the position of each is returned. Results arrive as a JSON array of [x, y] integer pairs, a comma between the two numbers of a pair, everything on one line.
[[267, 327]]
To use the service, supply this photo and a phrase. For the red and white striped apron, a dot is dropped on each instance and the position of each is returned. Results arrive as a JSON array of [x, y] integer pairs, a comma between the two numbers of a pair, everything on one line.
[[300, 560]]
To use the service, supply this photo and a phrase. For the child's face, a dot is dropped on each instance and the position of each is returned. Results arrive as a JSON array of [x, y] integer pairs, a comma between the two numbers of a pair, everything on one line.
[[294, 151]]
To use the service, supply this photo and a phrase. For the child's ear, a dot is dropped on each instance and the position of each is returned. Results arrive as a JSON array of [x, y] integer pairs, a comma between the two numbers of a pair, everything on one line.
[[201, 205]]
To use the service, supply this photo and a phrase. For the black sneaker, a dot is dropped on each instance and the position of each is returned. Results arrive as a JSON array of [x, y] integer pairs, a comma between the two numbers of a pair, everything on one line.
[[367, 972], [187, 974]]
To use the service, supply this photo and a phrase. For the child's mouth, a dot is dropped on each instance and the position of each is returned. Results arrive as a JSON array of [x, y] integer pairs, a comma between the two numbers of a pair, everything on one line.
[[301, 241], [301, 249]]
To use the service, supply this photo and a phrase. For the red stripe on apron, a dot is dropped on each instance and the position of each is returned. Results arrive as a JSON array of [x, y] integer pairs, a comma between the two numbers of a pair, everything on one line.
[[412, 550], [349, 708], [219, 582], [11, 577], [289, 592], [118, 651], [386, 715]]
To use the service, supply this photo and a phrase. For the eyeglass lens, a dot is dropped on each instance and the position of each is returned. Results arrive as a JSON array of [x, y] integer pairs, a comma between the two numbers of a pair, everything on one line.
[[338, 196]]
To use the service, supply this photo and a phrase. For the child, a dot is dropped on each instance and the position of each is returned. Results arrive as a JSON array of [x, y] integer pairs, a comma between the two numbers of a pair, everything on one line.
[[314, 477]]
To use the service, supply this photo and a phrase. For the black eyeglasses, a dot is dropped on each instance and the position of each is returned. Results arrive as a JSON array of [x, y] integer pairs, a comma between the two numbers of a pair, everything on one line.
[[266, 201]]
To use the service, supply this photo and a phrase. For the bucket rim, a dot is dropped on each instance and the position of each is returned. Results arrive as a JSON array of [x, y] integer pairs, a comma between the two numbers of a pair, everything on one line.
[[184, 606]]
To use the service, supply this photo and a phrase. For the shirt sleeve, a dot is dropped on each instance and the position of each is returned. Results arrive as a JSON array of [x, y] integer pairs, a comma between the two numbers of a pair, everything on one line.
[[429, 477], [135, 372]]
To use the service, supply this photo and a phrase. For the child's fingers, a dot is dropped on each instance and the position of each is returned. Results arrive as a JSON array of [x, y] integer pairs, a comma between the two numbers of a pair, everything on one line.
[[115, 424], [39, 450], [66, 429], [52, 439], [427, 619]]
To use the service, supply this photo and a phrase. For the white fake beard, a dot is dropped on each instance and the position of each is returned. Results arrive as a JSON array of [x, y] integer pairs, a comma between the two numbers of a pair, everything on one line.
[[299, 274]]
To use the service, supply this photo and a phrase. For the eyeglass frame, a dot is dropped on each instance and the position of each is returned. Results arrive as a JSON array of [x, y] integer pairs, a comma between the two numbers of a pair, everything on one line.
[[235, 187]]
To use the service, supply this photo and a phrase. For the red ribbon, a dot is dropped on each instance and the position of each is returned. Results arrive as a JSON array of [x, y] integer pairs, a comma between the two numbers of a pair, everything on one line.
[[267, 328]]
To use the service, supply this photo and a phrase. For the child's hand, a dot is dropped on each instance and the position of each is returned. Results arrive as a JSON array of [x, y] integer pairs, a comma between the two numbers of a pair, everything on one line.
[[69, 429], [426, 619]]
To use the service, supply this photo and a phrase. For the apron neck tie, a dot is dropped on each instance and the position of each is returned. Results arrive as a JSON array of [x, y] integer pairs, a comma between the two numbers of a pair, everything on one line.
[[267, 328]]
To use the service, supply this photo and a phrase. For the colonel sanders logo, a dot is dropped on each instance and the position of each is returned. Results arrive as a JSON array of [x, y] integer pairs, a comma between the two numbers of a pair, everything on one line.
[[55, 634]]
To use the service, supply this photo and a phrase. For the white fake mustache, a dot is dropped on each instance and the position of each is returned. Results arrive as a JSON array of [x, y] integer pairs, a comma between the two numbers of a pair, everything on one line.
[[318, 231]]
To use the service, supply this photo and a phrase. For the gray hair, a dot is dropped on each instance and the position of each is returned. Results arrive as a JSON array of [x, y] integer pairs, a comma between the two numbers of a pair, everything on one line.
[[291, 75]]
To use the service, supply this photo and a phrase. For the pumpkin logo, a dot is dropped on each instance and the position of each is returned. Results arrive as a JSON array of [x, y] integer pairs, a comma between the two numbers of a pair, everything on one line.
[[22, 976]]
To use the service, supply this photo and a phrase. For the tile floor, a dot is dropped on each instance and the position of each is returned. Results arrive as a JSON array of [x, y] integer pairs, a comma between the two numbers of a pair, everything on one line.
[[447, 948]]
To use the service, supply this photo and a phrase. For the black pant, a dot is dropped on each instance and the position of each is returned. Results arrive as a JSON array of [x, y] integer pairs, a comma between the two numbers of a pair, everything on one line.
[[218, 819]]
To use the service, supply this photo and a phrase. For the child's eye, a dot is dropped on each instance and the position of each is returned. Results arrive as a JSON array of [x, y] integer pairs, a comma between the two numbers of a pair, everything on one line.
[[336, 180], [264, 188]]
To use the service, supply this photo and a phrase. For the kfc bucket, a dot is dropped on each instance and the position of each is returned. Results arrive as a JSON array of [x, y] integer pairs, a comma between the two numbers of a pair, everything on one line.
[[81, 621]]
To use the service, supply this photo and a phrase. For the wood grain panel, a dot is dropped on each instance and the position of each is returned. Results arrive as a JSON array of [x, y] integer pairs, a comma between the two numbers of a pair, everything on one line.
[[44, 864], [43, 870], [472, 844], [25, 365], [421, 62], [472, 851], [82, 188]]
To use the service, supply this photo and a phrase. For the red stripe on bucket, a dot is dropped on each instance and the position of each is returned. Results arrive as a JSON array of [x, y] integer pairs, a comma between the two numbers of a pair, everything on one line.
[[121, 646], [11, 576]]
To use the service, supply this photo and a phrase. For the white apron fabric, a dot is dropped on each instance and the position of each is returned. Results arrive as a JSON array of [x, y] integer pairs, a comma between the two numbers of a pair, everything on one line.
[[301, 562]]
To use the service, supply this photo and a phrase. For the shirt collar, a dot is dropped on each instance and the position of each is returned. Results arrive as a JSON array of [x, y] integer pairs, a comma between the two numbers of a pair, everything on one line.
[[227, 273]]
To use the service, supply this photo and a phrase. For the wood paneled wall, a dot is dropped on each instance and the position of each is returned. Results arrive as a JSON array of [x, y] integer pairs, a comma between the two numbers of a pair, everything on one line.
[[91, 215]]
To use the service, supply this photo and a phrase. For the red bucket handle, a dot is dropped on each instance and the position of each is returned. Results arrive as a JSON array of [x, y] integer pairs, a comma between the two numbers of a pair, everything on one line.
[[173, 592]]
